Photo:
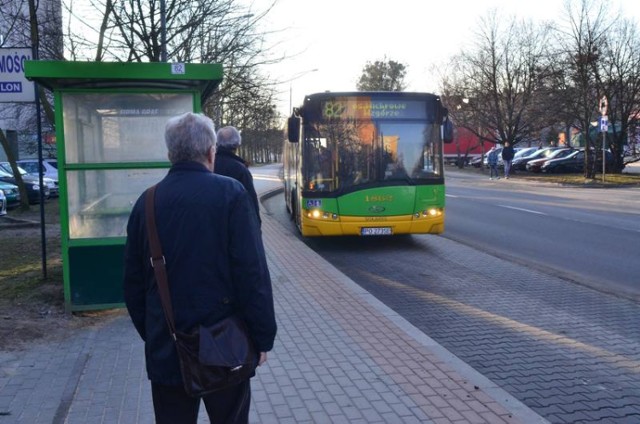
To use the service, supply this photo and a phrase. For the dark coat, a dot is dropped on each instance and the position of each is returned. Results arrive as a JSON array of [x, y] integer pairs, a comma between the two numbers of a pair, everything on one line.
[[508, 153], [229, 164], [215, 262]]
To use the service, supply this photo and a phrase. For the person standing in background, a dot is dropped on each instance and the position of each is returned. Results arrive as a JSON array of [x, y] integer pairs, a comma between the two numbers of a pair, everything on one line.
[[507, 158], [492, 161], [228, 163]]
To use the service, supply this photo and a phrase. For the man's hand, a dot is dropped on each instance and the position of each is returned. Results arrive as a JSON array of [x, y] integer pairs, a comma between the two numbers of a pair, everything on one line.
[[263, 358]]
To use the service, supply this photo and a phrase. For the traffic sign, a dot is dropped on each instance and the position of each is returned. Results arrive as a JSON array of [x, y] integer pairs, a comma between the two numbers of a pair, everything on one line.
[[603, 105], [604, 123]]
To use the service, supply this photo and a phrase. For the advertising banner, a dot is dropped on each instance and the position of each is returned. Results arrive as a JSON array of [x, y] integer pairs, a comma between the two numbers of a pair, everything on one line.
[[14, 86]]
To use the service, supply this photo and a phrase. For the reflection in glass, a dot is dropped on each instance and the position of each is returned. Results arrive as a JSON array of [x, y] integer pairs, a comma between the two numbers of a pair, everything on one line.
[[100, 200], [345, 154], [119, 127]]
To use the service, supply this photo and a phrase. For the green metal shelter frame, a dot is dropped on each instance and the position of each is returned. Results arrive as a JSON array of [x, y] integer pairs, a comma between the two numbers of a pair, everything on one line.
[[110, 120]]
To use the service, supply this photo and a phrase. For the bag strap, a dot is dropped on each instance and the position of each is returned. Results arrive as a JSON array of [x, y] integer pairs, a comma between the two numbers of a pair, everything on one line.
[[157, 260]]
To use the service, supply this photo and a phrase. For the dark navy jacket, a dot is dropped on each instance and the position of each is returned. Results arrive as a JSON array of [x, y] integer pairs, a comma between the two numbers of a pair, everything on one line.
[[507, 153], [215, 262], [229, 164]]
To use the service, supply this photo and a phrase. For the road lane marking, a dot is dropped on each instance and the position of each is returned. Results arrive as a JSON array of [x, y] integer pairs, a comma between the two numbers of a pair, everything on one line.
[[523, 210]]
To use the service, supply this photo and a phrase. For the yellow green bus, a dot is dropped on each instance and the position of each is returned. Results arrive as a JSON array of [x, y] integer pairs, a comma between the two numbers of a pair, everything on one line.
[[367, 164]]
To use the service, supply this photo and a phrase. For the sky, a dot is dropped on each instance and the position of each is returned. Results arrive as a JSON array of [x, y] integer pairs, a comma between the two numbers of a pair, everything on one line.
[[326, 43]]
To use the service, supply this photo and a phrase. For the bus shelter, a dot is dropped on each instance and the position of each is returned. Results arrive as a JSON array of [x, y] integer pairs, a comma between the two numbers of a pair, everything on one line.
[[110, 120]]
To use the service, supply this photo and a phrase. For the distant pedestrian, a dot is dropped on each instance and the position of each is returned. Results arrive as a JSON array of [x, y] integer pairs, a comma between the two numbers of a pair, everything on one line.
[[492, 161], [216, 267], [228, 163], [507, 158]]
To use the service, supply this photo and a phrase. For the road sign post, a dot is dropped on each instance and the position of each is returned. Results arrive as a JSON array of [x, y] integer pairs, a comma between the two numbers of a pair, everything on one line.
[[604, 128]]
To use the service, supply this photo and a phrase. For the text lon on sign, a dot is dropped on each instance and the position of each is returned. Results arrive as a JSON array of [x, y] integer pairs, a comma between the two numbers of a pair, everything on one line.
[[14, 86]]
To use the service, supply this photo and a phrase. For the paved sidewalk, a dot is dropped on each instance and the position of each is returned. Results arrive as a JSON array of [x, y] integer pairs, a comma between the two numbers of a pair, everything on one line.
[[340, 356]]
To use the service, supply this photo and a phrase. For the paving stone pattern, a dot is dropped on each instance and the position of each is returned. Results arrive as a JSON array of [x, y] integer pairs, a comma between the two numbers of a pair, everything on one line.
[[570, 353], [340, 357]]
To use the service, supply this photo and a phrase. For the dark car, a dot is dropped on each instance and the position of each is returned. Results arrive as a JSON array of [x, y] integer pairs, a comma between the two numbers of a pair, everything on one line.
[[573, 163], [536, 164], [51, 183], [32, 185], [520, 163], [11, 193], [525, 151], [49, 168]]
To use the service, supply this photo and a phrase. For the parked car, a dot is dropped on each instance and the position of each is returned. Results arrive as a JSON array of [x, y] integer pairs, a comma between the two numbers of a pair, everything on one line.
[[3, 204], [536, 164], [49, 168], [52, 184], [11, 192], [573, 163], [521, 163], [486, 157], [525, 151], [32, 185], [476, 162]]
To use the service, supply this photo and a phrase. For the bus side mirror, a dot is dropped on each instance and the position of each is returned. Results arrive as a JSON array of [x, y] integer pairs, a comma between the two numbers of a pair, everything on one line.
[[447, 131], [293, 129]]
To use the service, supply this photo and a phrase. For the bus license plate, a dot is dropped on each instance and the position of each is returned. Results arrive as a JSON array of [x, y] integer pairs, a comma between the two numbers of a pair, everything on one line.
[[376, 231]]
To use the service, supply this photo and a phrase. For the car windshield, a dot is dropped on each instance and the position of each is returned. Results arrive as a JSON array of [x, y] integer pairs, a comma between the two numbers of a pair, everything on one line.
[[525, 152], [560, 153], [7, 168], [544, 153]]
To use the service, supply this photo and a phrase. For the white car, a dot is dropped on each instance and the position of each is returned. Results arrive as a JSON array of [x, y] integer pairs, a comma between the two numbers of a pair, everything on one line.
[[49, 167], [3, 203]]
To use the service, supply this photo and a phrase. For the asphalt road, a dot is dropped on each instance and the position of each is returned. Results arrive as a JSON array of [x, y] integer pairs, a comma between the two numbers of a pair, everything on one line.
[[590, 236], [569, 352]]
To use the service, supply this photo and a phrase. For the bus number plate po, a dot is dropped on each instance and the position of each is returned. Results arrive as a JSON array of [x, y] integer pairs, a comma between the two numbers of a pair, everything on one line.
[[376, 231]]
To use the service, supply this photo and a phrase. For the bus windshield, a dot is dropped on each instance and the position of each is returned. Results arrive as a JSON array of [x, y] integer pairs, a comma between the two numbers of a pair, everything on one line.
[[345, 155]]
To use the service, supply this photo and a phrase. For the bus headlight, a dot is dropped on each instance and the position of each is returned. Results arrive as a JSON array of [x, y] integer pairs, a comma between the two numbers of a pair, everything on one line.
[[317, 214], [429, 213]]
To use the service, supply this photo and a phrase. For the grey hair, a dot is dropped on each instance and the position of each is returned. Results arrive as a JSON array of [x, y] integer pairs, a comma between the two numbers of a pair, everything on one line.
[[189, 137], [229, 137]]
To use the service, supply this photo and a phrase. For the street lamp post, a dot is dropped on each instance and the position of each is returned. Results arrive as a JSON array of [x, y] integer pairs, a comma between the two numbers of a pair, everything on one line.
[[295, 77]]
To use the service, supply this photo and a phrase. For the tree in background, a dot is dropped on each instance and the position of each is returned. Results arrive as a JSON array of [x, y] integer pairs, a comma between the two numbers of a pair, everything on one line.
[[36, 25], [500, 79], [579, 40], [618, 78], [196, 31], [382, 75]]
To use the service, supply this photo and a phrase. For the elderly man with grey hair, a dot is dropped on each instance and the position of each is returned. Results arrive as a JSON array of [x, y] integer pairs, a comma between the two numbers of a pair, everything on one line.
[[228, 163], [216, 267]]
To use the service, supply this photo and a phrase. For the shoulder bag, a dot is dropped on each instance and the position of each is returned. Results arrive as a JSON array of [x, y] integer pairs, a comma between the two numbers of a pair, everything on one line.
[[211, 358]]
